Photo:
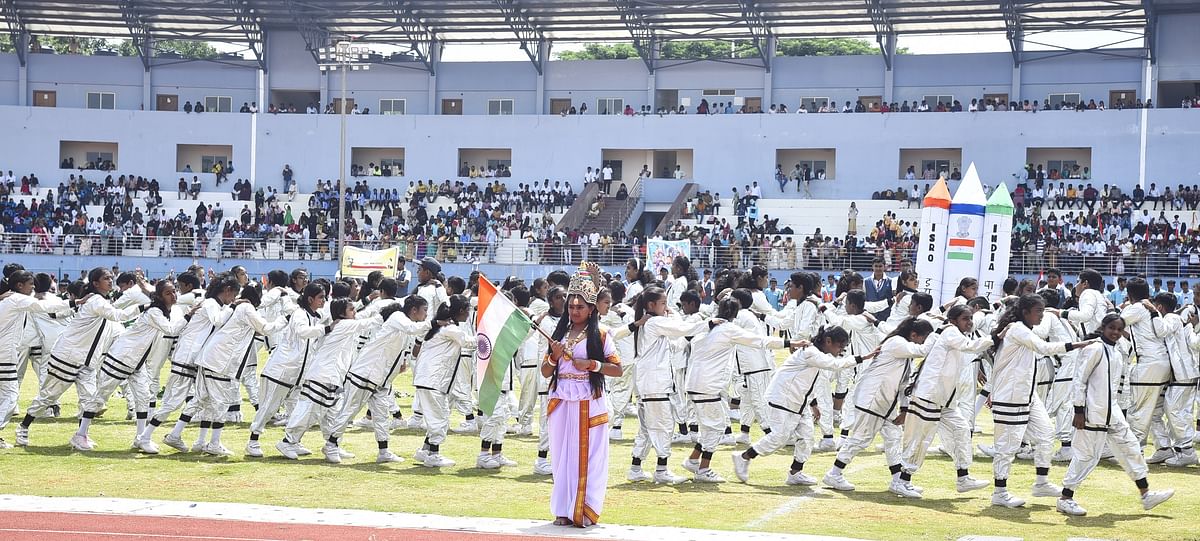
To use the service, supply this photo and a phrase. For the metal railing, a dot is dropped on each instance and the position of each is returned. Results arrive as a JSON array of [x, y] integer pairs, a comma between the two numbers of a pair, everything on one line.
[[517, 251]]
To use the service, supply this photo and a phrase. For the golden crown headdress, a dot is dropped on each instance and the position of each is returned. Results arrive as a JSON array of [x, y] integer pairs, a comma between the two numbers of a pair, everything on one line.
[[586, 282]]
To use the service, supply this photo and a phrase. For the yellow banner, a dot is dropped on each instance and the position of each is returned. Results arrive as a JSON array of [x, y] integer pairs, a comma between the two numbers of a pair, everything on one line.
[[358, 263]]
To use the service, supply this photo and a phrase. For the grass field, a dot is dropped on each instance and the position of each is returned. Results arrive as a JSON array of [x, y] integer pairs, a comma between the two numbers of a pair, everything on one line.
[[49, 467]]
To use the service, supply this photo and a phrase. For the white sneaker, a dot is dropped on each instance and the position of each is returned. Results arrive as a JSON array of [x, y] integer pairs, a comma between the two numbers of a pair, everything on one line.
[[5, 444], [1026, 453], [421, 455], [707, 476], [1160, 456], [800, 478], [680, 438], [254, 449], [22, 437], [198, 447], [614, 435], [691, 465], [176, 443], [968, 483], [827, 445], [485, 462], [288, 450], [302, 450], [837, 481], [741, 467], [901, 489], [727, 440], [81, 443], [914, 488], [435, 460], [1064, 454], [986, 450], [1186, 458], [416, 421], [636, 474], [742, 438], [342, 452], [542, 466], [279, 420], [527, 430], [1151, 499], [385, 456], [1070, 507], [216, 449], [504, 461], [363, 422], [331, 453], [1047, 490], [1006, 499], [466, 427], [665, 477], [397, 424], [145, 446]]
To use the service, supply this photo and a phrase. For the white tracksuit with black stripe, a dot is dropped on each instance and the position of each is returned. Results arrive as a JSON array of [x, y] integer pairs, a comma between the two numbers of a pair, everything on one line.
[[709, 369], [433, 376], [325, 377], [182, 382], [225, 357], [14, 311], [1182, 343], [1151, 371], [790, 396], [298, 340], [127, 361]]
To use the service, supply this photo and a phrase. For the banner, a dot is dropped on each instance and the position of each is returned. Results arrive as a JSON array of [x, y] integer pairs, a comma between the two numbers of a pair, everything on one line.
[[358, 263], [661, 253]]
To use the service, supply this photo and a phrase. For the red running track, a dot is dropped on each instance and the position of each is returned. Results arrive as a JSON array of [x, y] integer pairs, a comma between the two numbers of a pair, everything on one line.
[[22, 526]]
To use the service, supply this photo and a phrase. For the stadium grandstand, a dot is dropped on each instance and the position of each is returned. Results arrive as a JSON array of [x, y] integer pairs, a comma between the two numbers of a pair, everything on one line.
[[157, 160]]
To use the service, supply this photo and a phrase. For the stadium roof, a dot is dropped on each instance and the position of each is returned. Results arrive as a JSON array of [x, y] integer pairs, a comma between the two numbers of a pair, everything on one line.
[[529, 22]]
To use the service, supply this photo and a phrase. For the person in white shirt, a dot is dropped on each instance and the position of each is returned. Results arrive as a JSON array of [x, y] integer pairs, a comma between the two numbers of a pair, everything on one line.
[[678, 172], [607, 176]]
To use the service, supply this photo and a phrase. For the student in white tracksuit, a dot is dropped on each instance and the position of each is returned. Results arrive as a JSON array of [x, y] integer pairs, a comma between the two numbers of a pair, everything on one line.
[[558, 305], [323, 382], [214, 311], [708, 370], [865, 337], [800, 319], [297, 343], [1055, 373], [933, 406], [222, 360], [1017, 410], [369, 379], [652, 332], [619, 390], [15, 308], [1182, 343], [433, 377], [492, 427], [529, 357], [188, 296], [880, 401], [435, 293], [1151, 370], [77, 353], [49, 326], [1099, 421], [752, 365], [793, 403], [126, 362]]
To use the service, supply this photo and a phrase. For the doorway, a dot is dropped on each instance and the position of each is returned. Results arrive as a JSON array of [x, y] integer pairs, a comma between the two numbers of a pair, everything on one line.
[[337, 105], [45, 98], [995, 99], [166, 102], [559, 105], [753, 105], [871, 102], [452, 107], [666, 99], [1121, 96]]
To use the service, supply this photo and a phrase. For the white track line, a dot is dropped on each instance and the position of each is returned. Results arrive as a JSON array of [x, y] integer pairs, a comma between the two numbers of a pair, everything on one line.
[[95, 535]]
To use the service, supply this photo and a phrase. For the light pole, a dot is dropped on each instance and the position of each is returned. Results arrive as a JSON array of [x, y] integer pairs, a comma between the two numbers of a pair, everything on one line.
[[346, 57]]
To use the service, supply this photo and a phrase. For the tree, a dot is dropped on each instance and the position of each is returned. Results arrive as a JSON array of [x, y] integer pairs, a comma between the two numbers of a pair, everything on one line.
[[73, 45], [718, 49], [184, 48], [601, 51], [828, 47]]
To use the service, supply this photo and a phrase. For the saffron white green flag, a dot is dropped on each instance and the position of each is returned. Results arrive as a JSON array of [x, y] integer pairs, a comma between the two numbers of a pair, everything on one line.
[[501, 328]]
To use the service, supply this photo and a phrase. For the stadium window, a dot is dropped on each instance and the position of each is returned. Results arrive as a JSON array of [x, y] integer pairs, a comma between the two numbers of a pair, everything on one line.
[[1056, 100], [207, 162], [813, 104], [719, 92], [932, 101], [610, 106], [1062, 166], [99, 157], [500, 107], [392, 107], [495, 164], [941, 166], [218, 104], [815, 166], [101, 100], [392, 166]]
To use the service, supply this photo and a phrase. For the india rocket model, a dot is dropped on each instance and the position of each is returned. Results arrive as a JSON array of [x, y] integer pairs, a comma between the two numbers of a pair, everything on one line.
[[997, 242], [931, 250], [964, 239]]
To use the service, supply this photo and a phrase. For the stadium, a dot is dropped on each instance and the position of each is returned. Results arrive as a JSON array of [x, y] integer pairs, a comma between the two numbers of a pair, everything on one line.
[[332, 136]]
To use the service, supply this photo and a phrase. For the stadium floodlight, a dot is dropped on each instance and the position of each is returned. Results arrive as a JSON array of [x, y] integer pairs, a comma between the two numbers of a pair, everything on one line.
[[343, 56]]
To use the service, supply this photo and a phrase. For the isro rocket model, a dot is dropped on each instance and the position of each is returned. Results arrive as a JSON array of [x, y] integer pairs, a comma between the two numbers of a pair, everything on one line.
[[931, 250], [997, 243], [964, 239]]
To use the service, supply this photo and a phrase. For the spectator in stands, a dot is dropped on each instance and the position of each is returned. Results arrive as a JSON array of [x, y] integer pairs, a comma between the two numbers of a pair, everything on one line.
[[187, 106], [678, 172]]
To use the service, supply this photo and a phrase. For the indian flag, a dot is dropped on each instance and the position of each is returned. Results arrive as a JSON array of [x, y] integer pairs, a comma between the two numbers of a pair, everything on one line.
[[501, 328]]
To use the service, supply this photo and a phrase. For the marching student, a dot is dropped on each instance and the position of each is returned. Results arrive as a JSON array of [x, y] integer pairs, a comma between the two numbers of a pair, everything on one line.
[[801, 318], [221, 362], [462, 392], [1094, 394], [369, 379], [125, 363], [906, 285], [558, 307], [433, 377], [380, 299], [681, 274], [652, 331], [681, 408], [792, 400], [297, 343], [968, 288], [15, 305], [619, 389], [636, 278], [214, 311], [881, 403], [1092, 305], [864, 338], [1017, 410], [430, 287], [1148, 376], [76, 354], [708, 372], [49, 327], [1182, 342], [1055, 373], [323, 381], [933, 405], [188, 295], [529, 357], [752, 365]]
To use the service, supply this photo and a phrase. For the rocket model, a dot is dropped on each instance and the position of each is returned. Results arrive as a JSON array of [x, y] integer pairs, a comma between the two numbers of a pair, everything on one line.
[[964, 239], [997, 242], [931, 251]]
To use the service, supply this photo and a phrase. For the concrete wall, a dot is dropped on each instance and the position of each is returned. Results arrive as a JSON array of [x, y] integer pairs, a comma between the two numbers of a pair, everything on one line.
[[1177, 58]]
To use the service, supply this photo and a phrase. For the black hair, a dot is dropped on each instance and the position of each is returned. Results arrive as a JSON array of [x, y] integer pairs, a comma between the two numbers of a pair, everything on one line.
[[595, 350], [221, 283], [126, 278], [908, 327], [374, 277], [689, 297], [957, 311], [42, 282], [856, 297], [17, 277], [847, 282], [728, 309], [77, 289], [341, 289], [296, 274], [537, 284], [392, 309], [834, 334], [905, 275], [965, 283], [555, 290], [189, 279], [647, 296], [93, 276], [803, 281], [1010, 285], [312, 290], [337, 308], [449, 311], [1051, 296], [1015, 314], [455, 285], [743, 296], [980, 303], [1137, 289], [277, 278], [1167, 300], [1093, 279], [1055, 271], [252, 294], [559, 278], [412, 304], [157, 300], [10, 268], [520, 295], [388, 287], [617, 288]]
